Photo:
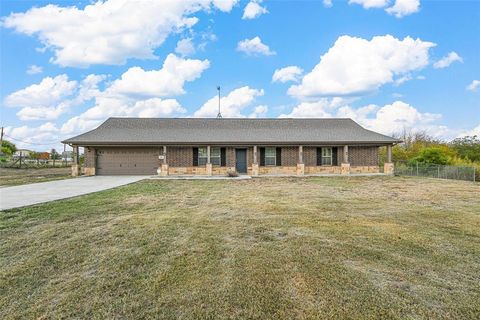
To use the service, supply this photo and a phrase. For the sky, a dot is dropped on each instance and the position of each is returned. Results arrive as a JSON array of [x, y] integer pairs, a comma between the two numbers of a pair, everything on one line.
[[391, 65]]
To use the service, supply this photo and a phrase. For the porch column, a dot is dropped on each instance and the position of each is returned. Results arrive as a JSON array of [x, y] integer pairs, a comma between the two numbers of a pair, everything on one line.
[[388, 167], [164, 167], [300, 164], [255, 161], [345, 167], [209, 164], [76, 162]]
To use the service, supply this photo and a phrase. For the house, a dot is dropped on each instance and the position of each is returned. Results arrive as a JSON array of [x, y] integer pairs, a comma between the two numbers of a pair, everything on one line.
[[193, 146], [23, 153]]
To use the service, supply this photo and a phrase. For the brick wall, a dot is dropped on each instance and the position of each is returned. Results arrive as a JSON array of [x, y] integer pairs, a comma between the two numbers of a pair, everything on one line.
[[289, 156], [310, 156], [363, 156], [89, 158], [180, 156], [230, 155]]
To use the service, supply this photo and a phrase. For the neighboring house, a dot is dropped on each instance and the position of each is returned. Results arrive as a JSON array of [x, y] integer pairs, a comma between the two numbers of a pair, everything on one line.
[[43, 156], [193, 146], [24, 153]]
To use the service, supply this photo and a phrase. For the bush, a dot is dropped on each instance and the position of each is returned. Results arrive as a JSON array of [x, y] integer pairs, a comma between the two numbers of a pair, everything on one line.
[[433, 155], [232, 173]]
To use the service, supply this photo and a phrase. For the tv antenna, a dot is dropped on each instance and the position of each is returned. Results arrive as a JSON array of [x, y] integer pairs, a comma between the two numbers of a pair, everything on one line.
[[219, 115]]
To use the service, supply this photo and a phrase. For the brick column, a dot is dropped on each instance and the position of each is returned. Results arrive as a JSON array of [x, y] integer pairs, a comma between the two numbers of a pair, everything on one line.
[[389, 167], [76, 162], [345, 166], [300, 164], [255, 161], [164, 167], [209, 164]]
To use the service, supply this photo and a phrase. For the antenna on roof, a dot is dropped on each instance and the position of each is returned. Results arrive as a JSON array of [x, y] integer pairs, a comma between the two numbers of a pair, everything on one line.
[[219, 115]]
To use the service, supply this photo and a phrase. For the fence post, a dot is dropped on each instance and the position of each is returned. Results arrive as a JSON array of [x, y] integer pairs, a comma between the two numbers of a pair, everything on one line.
[[438, 171], [474, 173], [417, 168]]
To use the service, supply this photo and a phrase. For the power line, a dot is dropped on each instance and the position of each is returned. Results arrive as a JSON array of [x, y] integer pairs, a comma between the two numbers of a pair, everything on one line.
[[32, 143]]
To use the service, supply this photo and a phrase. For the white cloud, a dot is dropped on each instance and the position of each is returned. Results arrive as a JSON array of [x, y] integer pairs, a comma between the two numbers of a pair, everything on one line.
[[108, 32], [395, 118], [231, 105], [447, 60], [323, 108], [167, 81], [291, 73], [403, 8], [47, 92], [402, 80], [474, 132], [327, 3], [140, 93], [254, 46], [367, 4], [474, 85], [355, 65], [399, 9], [42, 137], [185, 47], [34, 69], [259, 111], [155, 107], [253, 10], [43, 101]]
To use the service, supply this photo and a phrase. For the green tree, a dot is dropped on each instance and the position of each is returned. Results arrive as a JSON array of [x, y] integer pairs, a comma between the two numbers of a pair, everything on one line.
[[467, 147], [8, 148], [434, 155]]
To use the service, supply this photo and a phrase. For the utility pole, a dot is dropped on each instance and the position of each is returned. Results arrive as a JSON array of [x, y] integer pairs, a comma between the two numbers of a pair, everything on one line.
[[219, 115], [1, 142]]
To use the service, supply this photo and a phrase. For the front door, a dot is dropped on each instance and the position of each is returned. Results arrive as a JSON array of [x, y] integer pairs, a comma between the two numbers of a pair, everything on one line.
[[241, 160]]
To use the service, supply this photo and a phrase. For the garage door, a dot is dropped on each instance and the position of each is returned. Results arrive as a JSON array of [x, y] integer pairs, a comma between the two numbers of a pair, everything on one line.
[[127, 161]]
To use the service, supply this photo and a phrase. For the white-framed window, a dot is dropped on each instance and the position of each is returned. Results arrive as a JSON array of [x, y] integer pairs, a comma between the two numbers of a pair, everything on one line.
[[326, 156], [270, 156], [215, 156], [202, 156]]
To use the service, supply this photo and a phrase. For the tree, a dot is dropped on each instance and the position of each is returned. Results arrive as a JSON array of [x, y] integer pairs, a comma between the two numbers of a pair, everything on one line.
[[467, 147], [8, 148], [433, 155], [54, 154]]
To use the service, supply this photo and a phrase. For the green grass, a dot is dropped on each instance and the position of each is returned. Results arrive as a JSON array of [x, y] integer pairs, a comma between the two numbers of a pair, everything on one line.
[[277, 248], [14, 177]]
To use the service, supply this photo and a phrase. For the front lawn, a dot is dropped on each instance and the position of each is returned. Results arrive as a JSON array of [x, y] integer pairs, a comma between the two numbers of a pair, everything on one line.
[[14, 177], [269, 248]]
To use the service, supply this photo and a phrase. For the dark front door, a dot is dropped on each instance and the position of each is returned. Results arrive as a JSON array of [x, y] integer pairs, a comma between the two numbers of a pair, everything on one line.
[[241, 160]]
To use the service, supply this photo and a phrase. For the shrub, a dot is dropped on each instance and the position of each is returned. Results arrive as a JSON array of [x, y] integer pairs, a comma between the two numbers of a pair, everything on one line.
[[434, 155], [232, 173]]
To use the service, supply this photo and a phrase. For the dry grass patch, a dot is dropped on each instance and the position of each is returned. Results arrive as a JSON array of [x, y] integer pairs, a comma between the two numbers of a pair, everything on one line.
[[270, 248], [14, 177]]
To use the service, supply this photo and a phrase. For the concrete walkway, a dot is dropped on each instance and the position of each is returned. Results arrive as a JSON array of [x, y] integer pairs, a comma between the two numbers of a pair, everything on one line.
[[28, 194]]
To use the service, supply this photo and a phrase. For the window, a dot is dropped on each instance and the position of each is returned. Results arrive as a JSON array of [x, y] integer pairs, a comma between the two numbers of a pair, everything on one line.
[[326, 156], [270, 156], [215, 156]]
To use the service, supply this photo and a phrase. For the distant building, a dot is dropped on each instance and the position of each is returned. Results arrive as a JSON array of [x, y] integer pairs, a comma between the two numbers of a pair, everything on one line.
[[24, 153]]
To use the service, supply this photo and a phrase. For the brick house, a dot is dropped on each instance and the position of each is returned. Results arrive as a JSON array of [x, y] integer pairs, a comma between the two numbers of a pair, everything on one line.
[[189, 146]]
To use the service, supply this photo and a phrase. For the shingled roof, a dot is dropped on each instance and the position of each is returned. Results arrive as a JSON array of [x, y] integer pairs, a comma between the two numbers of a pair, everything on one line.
[[184, 131]]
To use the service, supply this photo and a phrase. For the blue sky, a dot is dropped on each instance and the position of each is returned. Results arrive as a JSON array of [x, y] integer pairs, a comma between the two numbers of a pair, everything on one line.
[[391, 65]]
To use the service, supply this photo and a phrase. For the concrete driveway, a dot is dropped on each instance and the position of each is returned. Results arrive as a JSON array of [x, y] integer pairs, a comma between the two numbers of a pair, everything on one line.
[[28, 194]]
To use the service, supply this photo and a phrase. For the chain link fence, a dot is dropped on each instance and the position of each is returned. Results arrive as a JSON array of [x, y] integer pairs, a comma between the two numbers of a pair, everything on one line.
[[435, 171]]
